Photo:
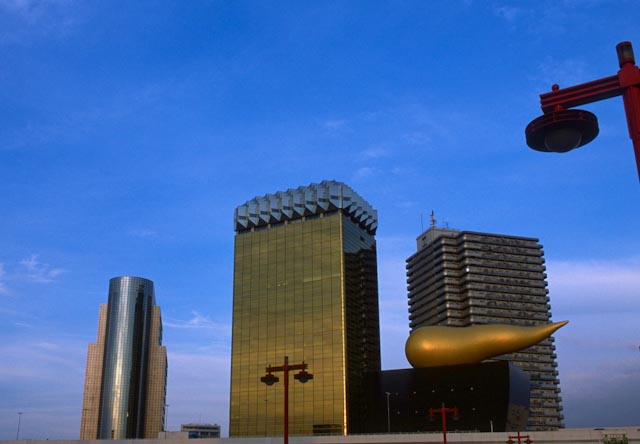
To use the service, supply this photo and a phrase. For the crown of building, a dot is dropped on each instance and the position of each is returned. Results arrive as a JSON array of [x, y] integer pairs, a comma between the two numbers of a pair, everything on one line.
[[317, 198]]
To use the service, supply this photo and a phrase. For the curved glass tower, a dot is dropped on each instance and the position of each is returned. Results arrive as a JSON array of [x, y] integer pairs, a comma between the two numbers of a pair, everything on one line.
[[125, 384]]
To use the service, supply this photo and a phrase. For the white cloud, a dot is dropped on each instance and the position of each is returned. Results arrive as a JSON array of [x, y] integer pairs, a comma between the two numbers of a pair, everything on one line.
[[507, 12], [564, 72], [44, 384], [363, 173], [375, 152], [43, 16], [22, 324], [335, 124], [598, 353], [198, 388], [601, 391], [3, 286], [29, 269], [144, 233], [394, 314], [36, 271], [198, 321], [419, 138], [592, 286]]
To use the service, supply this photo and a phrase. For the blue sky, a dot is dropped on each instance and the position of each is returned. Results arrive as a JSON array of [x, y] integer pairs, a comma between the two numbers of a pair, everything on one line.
[[129, 131]]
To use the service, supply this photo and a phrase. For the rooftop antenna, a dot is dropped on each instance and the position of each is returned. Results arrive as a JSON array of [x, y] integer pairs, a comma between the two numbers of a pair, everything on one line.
[[421, 224], [433, 219]]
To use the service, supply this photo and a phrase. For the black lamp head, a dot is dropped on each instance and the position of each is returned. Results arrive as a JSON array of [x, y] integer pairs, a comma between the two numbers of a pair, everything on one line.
[[562, 131], [303, 376], [269, 379]]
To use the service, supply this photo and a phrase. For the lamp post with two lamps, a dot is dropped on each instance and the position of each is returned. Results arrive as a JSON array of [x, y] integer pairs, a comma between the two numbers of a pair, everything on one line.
[[443, 410], [561, 129], [270, 379], [527, 439]]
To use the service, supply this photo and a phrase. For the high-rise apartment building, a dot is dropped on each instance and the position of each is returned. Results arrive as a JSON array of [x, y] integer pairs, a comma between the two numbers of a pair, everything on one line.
[[125, 383], [462, 278], [305, 286]]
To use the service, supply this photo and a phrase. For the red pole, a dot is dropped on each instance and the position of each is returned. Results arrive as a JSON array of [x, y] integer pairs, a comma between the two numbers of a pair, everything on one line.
[[626, 83], [269, 379], [527, 438], [443, 410], [286, 399], [629, 79], [631, 99]]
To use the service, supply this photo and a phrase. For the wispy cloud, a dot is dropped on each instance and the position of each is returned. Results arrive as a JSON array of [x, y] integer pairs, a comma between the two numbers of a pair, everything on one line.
[[375, 152], [35, 271], [22, 324], [335, 125], [593, 282], [419, 138], [509, 13], [39, 17], [197, 321], [563, 72], [144, 233], [48, 346], [45, 384], [3, 287], [598, 351], [363, 173], [198, 388], [30, 270], [394, 314]]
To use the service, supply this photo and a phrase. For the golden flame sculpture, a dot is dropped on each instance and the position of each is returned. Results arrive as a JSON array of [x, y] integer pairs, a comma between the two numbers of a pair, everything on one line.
[[436, 346]]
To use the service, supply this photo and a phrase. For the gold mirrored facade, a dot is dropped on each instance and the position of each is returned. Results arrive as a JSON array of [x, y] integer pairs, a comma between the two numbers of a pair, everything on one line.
[[305, 286]]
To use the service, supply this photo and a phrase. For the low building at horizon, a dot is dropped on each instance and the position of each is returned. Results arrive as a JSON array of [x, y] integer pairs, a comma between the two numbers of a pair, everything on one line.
[[201, 430], [126, 374]]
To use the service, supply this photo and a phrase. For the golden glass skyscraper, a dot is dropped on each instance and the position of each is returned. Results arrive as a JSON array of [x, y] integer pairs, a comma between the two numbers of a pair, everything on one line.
[[125, 383], [305, 286]]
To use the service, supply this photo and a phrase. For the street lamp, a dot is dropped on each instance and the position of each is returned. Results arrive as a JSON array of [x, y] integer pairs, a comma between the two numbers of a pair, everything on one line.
[[166, 419], [527, 439], [388, 413], [270, 379], [561, 129], [18, 432], [443, 415]]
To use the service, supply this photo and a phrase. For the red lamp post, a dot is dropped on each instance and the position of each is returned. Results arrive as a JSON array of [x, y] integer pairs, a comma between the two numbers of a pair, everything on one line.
[[527, 439], [443, 415], [561, 129], [302, 376]]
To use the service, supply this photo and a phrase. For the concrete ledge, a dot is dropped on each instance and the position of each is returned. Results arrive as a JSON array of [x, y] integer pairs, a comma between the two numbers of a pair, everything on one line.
[[567, 436]]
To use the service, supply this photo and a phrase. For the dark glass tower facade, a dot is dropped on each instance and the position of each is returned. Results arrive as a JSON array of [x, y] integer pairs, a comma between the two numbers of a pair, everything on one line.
[[305, 286], [125, 385], [462, 278]]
